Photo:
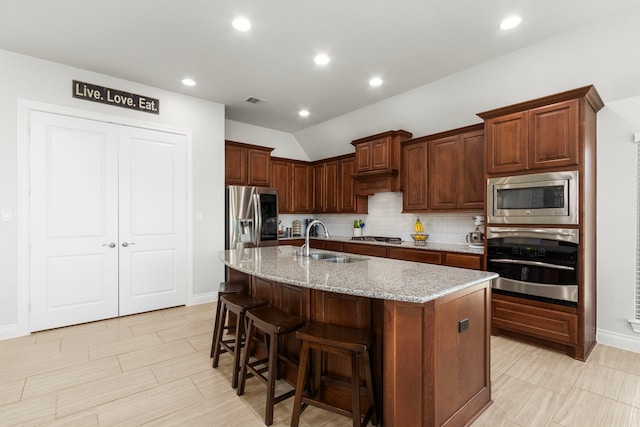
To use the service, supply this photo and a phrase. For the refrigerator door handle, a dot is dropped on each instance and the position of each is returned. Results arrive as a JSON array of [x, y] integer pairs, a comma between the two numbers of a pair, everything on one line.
[[257, 213]]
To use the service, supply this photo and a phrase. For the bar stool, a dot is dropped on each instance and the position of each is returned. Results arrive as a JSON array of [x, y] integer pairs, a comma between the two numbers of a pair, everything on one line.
[[349, 342], [237, 304], [273, 323], [225, 288]]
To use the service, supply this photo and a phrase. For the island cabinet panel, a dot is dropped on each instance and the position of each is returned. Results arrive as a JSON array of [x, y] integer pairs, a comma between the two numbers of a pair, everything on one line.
[[436, 359]]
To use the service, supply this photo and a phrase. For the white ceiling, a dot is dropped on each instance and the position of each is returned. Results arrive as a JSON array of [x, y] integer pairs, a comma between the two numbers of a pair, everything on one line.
[[408, 43]]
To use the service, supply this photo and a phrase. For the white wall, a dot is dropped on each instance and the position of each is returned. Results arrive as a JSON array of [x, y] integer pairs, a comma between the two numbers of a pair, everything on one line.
[[284, 143], [35, 80]]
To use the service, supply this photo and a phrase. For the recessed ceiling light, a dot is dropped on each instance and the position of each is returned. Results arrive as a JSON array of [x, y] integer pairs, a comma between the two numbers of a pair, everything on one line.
[[376, 81], [322, 59], [510, 22], [188, 82], [303, 113], [241, 24]]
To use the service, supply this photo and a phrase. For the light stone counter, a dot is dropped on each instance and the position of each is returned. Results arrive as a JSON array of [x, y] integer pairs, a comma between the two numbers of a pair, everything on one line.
[[372, 277], [429, 246]]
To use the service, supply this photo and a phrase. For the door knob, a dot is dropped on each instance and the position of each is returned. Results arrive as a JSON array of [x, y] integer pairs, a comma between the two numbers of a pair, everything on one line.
[[111, 245], [125, 244]]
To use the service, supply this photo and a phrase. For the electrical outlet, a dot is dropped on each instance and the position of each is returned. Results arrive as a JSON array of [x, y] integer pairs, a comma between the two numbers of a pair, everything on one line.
[[6, 214], [463, 325]]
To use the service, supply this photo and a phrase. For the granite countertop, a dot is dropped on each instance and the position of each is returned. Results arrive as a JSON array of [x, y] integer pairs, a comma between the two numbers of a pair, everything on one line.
[[445, 247], [371, 277]]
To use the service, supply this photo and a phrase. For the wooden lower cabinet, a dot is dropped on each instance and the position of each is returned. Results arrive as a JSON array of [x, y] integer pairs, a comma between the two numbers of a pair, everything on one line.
[[463, 260], [430, 361], [429, 257], [540, 323], [360, 249]]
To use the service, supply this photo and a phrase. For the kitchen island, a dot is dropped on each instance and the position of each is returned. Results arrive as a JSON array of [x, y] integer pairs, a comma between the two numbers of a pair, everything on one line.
[[431, 353]]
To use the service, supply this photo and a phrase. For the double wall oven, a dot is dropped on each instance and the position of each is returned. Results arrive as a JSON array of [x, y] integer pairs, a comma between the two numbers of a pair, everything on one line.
[[530, 240]]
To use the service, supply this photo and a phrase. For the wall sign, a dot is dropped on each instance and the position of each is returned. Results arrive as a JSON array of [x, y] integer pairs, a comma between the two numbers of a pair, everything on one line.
[[105, 95]]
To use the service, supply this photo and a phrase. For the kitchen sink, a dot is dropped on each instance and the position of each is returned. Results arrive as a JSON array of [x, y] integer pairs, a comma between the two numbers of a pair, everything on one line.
[[342, 260], [316, 255]]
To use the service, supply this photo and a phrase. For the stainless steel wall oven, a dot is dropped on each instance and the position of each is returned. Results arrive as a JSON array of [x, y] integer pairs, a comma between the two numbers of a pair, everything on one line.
[[535, 263]]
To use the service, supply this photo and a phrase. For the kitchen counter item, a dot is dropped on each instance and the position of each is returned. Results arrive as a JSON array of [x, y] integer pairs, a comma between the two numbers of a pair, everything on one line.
[[419, 239], [297, 227], [396, 240]]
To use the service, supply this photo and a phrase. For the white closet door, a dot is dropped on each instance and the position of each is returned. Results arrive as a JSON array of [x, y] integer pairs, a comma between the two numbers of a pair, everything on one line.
[[153, 235], [74, 220]]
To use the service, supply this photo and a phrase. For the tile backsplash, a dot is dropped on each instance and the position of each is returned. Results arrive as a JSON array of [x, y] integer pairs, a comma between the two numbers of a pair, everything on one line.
[[385, 218]]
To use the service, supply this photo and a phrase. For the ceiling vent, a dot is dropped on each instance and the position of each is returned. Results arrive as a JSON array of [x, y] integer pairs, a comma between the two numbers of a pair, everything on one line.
[[252, 100]]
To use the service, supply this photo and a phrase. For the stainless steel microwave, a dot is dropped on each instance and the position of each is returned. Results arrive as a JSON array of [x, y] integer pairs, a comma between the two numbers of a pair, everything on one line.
[[542, 198]]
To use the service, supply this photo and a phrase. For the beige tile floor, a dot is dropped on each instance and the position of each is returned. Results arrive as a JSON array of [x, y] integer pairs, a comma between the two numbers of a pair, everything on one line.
[[154, 369]]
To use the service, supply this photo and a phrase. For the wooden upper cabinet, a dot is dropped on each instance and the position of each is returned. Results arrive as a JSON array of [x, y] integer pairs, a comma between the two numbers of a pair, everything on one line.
[[472, 188], [553, 132], [302, 188], [378, 162], [281, 180], [293, 181], [414, 176], [330, 201], [540, 134], [247, 164], [317, 171], [235, 165], [442, 173], [258, 162], [507, 142], [348, 201]]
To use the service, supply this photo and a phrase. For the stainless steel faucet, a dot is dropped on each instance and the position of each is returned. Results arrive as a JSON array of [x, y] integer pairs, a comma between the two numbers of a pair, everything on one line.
[[305, 247]]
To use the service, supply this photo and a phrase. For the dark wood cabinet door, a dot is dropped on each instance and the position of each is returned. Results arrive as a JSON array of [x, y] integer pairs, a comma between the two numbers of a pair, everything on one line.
[[463, 260], [258, 163], [301, 188], [443, 173], [318, 188], [380, 154], [331, 186], [507, 143], [281, 180], [553, 135], [348, 201], [346, 197], [471, 188], [414, 177], [235, 165], [364, 157]]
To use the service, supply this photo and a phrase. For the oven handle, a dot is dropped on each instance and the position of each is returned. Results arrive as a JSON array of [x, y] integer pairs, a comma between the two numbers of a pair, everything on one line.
[[554, 232], [535, 263]]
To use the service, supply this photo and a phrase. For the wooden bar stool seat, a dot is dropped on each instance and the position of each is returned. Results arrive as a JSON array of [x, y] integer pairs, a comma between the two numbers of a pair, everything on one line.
[[273, 323], [237, 304], [348, 342], [225, 288]]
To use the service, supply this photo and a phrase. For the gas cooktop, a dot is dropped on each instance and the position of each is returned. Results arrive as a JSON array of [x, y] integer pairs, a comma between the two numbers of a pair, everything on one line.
[[395, 240]]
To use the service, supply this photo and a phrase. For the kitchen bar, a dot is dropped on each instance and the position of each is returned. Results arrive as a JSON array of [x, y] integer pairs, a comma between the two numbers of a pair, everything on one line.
[[431, 352]]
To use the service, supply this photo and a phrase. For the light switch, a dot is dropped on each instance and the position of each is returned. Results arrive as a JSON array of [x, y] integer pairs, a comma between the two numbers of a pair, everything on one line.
[[6, 214]]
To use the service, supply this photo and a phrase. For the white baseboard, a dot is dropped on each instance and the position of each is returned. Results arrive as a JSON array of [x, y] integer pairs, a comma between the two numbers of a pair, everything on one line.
[[614, 339], [203, 298], [11, 331]]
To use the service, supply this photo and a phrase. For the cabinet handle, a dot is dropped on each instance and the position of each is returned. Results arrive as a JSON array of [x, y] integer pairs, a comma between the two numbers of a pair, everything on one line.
[[125, 244], [111, 245]]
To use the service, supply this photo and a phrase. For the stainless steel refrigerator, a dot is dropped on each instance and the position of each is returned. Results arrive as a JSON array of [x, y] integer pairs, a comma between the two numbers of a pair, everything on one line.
[[251, 217]]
